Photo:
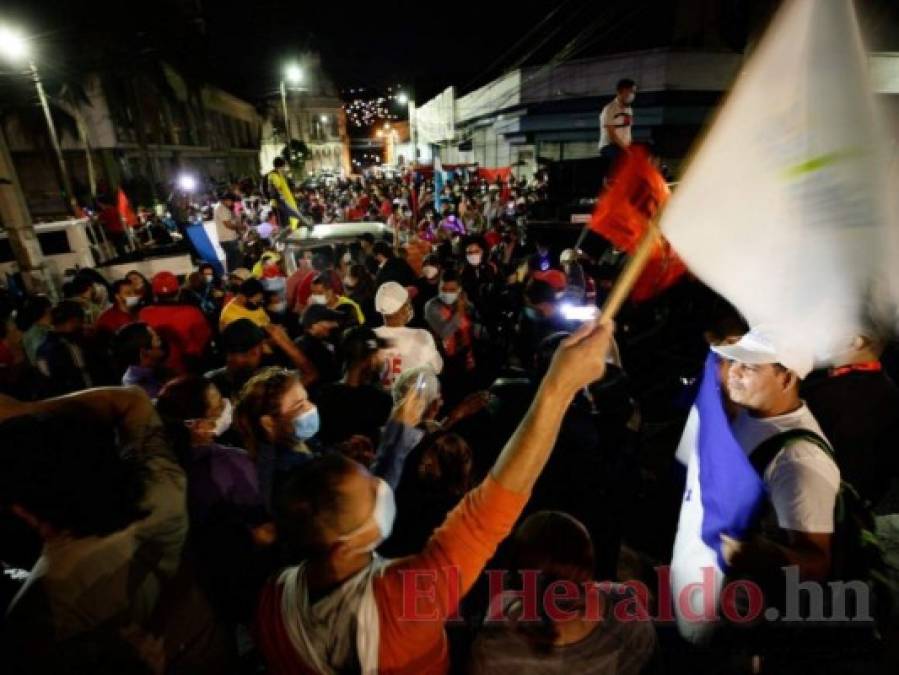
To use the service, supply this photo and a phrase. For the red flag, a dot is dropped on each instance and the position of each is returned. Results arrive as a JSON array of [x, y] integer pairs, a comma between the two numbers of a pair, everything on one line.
[[126, 213], [623, 213]]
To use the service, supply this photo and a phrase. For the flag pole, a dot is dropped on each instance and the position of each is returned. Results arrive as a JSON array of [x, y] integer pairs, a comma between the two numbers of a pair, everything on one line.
[[624, 284]]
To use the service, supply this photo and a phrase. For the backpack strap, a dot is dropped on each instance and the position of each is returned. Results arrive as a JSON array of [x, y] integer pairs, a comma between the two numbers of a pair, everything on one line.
[[765, 453]]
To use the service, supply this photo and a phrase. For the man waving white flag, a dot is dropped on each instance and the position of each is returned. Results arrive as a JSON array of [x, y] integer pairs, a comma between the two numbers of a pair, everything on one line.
[[784, 209]]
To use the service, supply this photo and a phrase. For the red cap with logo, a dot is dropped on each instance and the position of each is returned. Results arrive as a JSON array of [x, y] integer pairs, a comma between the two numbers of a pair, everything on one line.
[[165, 283]]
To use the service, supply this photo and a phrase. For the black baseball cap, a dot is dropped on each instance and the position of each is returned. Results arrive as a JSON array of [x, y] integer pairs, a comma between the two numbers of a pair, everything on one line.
[[241, 336], [361, 341], [316, 313]]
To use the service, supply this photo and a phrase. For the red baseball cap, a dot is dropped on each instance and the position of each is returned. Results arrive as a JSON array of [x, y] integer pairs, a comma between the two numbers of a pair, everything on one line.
[[554, 278], [165, 283]]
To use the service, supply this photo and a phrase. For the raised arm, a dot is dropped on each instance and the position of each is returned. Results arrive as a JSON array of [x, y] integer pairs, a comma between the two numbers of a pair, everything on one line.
[[399, 438], [128, 408]]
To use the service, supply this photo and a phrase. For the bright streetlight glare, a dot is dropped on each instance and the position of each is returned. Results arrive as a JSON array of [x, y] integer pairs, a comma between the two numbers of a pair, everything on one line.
[[324, 119], [402, 98], [13, 44], [293, 73], [187, 183]]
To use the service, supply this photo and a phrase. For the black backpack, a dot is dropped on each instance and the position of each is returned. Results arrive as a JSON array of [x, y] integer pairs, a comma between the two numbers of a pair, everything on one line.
[[856, 553]]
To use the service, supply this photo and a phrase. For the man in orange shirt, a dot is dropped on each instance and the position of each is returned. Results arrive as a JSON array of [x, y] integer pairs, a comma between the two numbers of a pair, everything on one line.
[[344, 605]]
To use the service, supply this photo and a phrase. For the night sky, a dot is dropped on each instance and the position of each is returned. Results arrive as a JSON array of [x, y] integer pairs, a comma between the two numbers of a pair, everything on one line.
[[430, 45]]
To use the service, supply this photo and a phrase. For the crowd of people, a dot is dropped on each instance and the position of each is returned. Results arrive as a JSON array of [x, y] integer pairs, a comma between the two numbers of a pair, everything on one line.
[[313, 459]]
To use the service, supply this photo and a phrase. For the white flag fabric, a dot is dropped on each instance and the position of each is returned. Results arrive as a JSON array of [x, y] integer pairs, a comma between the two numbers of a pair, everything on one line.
[[785, 208]]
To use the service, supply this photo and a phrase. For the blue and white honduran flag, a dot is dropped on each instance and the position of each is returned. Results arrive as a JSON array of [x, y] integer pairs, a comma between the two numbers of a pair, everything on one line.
[[722, 496], [438, 184]]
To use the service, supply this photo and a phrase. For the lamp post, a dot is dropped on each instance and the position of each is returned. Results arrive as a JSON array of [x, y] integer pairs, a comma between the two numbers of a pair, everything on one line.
[[13, 209], [403, 98], [294, 75], [14, 47]]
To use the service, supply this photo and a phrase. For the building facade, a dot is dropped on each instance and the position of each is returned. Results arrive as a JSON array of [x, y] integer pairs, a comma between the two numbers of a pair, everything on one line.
[[551, 112], [315, 116], [140, 131]]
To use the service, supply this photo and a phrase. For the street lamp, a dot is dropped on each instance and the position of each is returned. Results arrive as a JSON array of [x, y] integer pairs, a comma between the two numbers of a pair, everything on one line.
[[404, 99], [14, 46], [294, 75]]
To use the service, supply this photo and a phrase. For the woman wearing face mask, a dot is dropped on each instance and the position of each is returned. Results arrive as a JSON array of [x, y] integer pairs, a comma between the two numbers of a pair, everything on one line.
[[478, 276], [278, 423], [230, 528]]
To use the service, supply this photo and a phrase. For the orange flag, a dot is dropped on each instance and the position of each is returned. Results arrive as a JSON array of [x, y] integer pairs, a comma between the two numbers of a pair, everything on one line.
[[126, 213], [622, 215]]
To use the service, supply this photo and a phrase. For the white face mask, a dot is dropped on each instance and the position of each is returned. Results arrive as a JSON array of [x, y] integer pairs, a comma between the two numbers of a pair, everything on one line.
[[132, 301], [429, 271], [382, 517], [630, 98], [474, 260], [223, 423], [318, 300], [278, 308], [449, 298]]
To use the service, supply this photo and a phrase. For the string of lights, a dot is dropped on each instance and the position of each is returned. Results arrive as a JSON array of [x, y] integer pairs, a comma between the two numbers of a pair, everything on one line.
[[366, 111]]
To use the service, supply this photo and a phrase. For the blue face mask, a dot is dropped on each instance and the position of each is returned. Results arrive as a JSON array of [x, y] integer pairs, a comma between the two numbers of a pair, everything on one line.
[[306, 425]]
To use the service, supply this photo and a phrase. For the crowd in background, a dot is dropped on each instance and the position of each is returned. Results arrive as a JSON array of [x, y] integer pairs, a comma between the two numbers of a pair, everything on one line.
[[415, 395]]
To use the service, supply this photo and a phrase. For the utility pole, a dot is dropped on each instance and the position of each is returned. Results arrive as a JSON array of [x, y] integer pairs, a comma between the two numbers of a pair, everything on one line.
[[19, 228], [54, 140]]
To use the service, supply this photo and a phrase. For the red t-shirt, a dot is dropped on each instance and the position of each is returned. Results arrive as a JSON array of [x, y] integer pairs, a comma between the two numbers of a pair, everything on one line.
[[304, 290], [493, 238], [184, 329], [112, 319], [293, 285]]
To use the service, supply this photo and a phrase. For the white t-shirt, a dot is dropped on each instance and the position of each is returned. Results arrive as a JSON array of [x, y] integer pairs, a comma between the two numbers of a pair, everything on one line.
[[222, 214], [411, 348], [802, 479], [617, 115]]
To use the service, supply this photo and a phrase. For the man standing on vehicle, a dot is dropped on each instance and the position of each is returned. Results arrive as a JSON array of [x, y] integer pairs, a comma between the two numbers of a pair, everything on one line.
[[228, 227], [281, 195], [615, 122]]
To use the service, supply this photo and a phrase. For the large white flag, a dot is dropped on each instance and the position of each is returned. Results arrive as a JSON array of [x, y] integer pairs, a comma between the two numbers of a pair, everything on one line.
[[784, 209]]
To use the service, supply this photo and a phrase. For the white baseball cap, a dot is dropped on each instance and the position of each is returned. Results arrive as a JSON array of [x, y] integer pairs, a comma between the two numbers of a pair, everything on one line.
[[390, 298], [762, 344]]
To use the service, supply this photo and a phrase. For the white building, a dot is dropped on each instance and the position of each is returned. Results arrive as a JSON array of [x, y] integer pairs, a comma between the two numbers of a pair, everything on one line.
[[551, 112]]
